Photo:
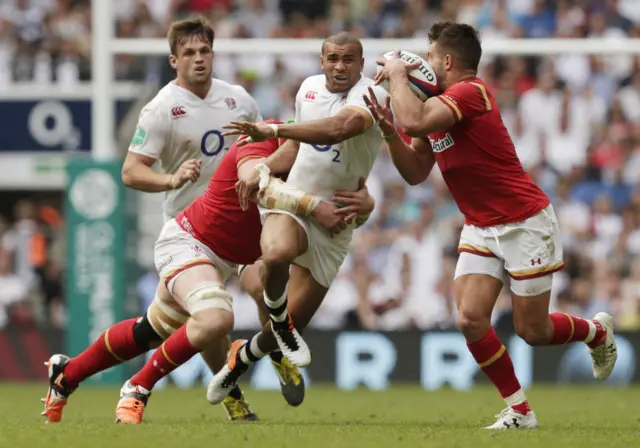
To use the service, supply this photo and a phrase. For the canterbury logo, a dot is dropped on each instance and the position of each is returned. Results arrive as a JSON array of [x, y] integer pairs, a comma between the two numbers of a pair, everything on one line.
[[310, 95], [178, 112]]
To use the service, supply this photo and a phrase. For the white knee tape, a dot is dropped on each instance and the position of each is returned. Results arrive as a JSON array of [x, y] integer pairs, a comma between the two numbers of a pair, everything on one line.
[[208, 295], [164, 319], [531, 286]]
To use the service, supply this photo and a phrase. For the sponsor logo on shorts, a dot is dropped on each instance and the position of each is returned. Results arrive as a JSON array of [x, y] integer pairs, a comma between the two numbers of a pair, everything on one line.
[[165, 263], [442, 144], [534, 261]]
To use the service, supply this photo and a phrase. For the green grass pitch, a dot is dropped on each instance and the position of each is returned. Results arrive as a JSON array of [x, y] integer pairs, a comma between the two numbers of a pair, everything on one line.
[[402, 416]]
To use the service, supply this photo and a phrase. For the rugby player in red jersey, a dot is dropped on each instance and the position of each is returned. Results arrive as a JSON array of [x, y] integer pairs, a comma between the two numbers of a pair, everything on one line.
[[196, 253], [510, 227]]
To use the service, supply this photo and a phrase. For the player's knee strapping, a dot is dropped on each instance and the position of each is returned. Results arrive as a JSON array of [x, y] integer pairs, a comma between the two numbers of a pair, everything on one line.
[[208, 295], [277, 308], [164, 319]]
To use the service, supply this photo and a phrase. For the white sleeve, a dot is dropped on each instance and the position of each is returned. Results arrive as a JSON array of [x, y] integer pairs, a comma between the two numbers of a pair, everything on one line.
[[150, 136], [297, 117], [355, 97]]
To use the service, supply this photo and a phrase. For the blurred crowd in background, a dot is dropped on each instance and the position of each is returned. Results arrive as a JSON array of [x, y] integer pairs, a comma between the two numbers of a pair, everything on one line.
[[575, 120]]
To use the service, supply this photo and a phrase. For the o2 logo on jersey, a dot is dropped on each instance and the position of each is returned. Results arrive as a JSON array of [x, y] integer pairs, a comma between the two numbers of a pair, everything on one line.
[[325, 148], [212, 143]]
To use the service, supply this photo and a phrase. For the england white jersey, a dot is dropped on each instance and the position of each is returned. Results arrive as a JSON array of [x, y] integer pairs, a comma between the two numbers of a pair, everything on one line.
[[176, 116], [322, 169]]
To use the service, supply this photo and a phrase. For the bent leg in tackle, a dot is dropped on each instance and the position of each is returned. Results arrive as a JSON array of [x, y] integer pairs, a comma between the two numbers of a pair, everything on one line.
[[200, 292], [291, 380], [283, 239], [194, 277], [122, 342], [305, 297], [167, 317]]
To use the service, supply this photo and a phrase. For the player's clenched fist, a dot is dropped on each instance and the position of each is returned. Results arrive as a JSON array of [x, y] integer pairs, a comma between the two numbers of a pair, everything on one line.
[[188, 171]]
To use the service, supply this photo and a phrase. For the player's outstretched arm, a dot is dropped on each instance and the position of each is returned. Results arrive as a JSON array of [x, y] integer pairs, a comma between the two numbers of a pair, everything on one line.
[[414, 162], [349, 122]]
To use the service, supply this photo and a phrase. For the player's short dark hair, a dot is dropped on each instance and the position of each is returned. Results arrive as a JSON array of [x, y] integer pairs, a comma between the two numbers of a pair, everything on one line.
[[343, 38], [182, 30], [460, 39]]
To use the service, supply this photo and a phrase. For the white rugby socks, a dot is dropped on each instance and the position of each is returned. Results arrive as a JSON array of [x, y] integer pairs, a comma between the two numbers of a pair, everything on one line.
[[277, 308]]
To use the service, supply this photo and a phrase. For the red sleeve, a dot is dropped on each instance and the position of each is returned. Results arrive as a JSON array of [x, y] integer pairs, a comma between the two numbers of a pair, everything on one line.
[[256, 150], [467, 99]]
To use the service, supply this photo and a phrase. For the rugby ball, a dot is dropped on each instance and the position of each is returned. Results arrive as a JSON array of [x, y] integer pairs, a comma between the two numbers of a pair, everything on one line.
[[423, 79]]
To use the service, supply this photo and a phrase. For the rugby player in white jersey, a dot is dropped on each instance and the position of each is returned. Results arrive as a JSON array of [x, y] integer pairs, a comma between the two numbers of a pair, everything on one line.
[[339, 142], [182, 129]]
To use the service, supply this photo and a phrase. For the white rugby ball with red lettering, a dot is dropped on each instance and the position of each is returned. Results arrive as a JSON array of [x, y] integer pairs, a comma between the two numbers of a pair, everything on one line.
[[423, 79]]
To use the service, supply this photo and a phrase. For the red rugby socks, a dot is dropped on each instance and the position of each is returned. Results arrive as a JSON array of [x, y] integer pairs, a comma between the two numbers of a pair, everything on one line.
[[114, 346], [174, 352], [573, 329], [495, 362]]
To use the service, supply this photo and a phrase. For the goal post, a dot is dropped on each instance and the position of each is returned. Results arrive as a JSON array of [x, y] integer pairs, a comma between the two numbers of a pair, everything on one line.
[[609, 46]]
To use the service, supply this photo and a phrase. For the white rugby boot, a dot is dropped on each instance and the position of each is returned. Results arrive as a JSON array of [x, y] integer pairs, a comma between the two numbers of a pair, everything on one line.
[[511, 419], [291, 344], [605, 355]]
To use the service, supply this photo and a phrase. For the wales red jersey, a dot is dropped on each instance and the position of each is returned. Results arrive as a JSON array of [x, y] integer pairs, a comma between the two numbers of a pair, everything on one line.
[[479, 162], [216, 219]]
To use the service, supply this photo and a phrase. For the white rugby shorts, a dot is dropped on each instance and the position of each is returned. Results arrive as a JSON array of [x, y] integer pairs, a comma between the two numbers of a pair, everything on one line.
[[525, 251], [176, 251], [324, 254]]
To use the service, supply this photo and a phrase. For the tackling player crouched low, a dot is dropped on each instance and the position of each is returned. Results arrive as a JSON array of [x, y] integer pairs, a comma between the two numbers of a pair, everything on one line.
[[510, 227]]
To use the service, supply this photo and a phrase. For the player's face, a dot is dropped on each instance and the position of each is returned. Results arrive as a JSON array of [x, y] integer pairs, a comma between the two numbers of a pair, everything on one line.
[[439, 62], [194, 62], [342, 65]]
